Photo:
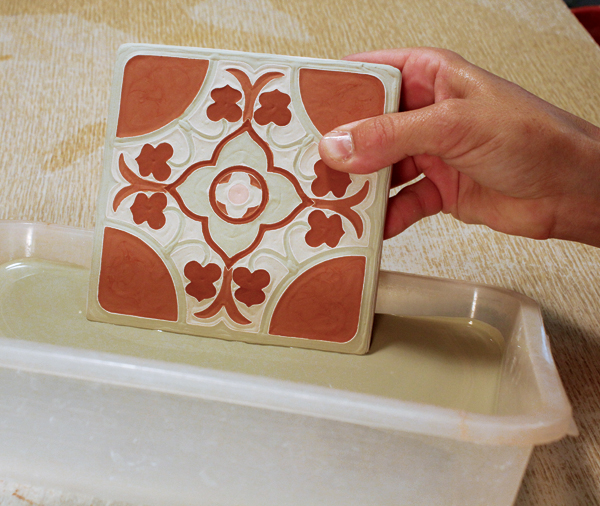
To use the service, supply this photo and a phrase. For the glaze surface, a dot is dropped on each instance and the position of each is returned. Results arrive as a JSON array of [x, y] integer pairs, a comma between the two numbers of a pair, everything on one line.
[[448, 362]]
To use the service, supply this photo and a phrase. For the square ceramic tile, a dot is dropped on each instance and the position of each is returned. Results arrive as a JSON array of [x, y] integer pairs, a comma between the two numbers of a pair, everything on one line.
[[217, 217]]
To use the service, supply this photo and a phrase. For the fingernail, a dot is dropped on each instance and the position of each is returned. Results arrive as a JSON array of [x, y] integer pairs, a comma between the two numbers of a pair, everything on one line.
[[338, 145]]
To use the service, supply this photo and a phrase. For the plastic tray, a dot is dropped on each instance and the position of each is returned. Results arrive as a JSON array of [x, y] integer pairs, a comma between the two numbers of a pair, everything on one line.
[[163, 432]]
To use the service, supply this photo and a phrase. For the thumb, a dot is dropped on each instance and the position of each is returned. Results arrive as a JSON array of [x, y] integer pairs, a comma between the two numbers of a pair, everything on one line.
[[371, 144]]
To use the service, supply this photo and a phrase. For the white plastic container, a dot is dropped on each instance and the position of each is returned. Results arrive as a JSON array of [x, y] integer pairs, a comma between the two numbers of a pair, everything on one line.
[[165, 433]]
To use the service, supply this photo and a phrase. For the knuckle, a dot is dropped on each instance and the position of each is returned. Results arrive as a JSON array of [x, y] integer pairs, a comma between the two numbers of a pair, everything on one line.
[[444, 53], [446, 56], [452, 123]]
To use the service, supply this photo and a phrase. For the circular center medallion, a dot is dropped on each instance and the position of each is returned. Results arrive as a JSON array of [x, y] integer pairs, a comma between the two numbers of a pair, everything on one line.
[[238, 194]]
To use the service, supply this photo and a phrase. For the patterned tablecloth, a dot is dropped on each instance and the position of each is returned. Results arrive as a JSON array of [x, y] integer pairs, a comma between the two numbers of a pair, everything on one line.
[[56, 60]]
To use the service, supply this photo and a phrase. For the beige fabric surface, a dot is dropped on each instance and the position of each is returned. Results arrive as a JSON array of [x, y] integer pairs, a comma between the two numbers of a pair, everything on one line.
[[56, 61]]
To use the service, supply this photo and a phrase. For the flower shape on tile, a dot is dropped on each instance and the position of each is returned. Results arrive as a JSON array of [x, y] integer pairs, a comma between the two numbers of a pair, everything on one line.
[[274, 108], [252, 89], [241, 170], [153, 160], [225, 104], [239, 194], [329, 180], [324, 230], [251, 285], [149, 209], [202, 280]]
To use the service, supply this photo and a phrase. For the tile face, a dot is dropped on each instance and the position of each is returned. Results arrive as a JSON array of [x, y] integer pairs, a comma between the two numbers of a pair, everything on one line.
[[217, 217]]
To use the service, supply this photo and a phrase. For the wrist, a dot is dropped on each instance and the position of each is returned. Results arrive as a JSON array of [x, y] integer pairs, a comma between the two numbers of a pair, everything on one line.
[[578, 213]]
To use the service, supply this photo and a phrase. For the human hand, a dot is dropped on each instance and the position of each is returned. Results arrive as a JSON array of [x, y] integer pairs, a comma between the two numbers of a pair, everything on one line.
[[491, 152]]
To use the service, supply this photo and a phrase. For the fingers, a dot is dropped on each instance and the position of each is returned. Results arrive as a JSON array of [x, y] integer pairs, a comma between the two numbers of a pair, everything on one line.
[[410, 205], [399, 57], [394, 57], [436, 88], [378, 142], [428, 74], [403, 172]]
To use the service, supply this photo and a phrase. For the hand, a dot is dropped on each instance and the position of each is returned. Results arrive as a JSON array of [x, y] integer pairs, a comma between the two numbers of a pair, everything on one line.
[[490, 152]]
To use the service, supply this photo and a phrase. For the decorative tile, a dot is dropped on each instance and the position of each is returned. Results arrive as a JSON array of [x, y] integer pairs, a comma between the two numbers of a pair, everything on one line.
[[217, 217]]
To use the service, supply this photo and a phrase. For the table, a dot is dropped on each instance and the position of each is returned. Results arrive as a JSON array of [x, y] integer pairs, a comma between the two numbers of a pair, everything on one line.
[[56, 62]]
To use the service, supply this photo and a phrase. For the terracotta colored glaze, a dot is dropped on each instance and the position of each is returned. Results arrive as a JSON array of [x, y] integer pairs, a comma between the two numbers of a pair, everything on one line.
[[312, 307], [220, 209], [252, 211], [251, 90], [136, 184], [324, 229], [224, 300], [156, 90], [202, 280], [254, 182], [274, 108], [344, 207], [334, 98], [150, 209], [133, 279], [153, 160], [251, 285], [329, 180], [225, 105]]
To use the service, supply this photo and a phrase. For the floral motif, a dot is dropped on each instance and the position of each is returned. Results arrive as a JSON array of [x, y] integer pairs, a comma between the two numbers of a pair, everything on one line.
[[240, 195], [324, 230], [243, 151], [274, 108], [150, 209], [202, 280], [251, 285], [153, 160], [329, 180], [225, 105]]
